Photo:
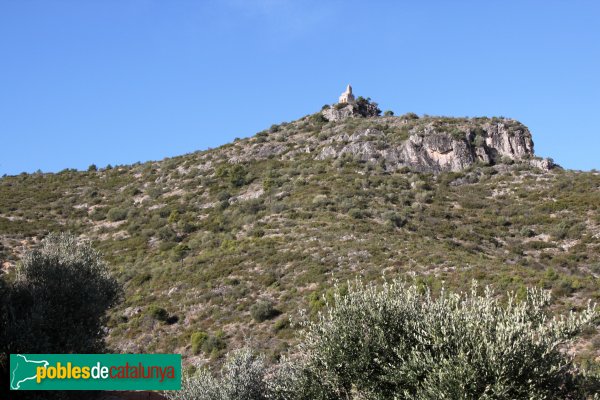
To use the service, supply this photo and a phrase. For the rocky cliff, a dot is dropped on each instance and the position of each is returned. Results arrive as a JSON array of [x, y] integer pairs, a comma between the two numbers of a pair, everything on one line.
[[427, 144], [430, 149]]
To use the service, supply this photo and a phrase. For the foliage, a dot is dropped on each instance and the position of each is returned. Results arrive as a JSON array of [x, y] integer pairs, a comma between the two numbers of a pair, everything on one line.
[[400, 341], [214, 343], [366, 108], [58, 301], [198, 339], [236, 174], [263, 310], [158, 313], [242, 378], [116, 214], [314, 222], [409, 116]]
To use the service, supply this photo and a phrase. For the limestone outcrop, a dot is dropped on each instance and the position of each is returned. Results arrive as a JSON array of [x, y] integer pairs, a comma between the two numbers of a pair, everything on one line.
[[427, 144], [339, 113], [434, 150]]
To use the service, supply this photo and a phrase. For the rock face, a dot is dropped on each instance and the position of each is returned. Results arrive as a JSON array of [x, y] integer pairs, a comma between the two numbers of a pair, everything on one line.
[[337, 114], [360, 107], [426, 144], [432, 150]]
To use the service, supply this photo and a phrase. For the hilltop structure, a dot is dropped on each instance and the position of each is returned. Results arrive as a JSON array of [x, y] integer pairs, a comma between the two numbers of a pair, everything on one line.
[[347, 97]]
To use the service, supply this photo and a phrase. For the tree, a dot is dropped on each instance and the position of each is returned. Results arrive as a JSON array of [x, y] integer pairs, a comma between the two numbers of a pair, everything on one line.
[[401, 342], [243, 377], [57, 303], [388, 113], [366, 108], [59, 299]]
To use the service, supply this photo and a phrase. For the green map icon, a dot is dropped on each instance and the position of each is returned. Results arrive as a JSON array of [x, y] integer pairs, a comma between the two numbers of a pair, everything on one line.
[[23, 370]]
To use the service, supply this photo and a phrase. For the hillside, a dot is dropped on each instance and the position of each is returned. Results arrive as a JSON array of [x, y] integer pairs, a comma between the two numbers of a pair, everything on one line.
[[231, 242]]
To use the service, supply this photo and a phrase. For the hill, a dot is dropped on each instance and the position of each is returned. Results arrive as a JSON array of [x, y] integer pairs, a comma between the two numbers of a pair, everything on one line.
[[221, 247]]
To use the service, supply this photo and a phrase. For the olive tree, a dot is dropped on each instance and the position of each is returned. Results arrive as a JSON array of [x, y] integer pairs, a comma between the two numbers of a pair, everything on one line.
[[399, 341], [59, 298], [243, 377]]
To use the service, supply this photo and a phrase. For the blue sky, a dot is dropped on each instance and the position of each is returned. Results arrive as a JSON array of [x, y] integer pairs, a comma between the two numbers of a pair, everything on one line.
[[120, 81]]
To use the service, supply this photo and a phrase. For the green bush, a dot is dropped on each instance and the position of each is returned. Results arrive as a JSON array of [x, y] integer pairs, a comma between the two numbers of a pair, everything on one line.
[[366, 107], [263, 310], [394, 219], [98, 214], [117, 214], [243, 377], [198, 339], [356, 213], [237, 176], [398, 341], [58, 301], [166, 234], [214, 343], [158, 313], [409, 116]]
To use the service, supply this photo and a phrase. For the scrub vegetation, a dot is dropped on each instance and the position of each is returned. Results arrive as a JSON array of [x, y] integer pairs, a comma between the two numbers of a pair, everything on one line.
[[220, 249]]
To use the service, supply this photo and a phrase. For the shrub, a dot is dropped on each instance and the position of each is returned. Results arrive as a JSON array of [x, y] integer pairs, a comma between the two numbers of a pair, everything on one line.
[[98, 214], [242, 378], [158, 313], [281, 324], [366, 108], [237, 176], [274, 128], [356, 213], [394, 219], [198, 339], [117, 214], [236, 173], [214, 343], [223, 196], [399, 341], [173, 217], [479, 141], [527, 232], [58, 302], [180, 252], [166, 234], [388, 113], [263, 310], [410, 116], [140, 279], [318, 118], [252, 206]]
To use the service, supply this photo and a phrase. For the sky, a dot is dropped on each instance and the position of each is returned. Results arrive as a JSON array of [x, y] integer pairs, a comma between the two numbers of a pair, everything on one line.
[[120, 81]]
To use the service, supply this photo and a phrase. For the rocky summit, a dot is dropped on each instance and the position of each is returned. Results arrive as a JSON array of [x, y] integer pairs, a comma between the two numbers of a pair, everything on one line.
[[427, 144]]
